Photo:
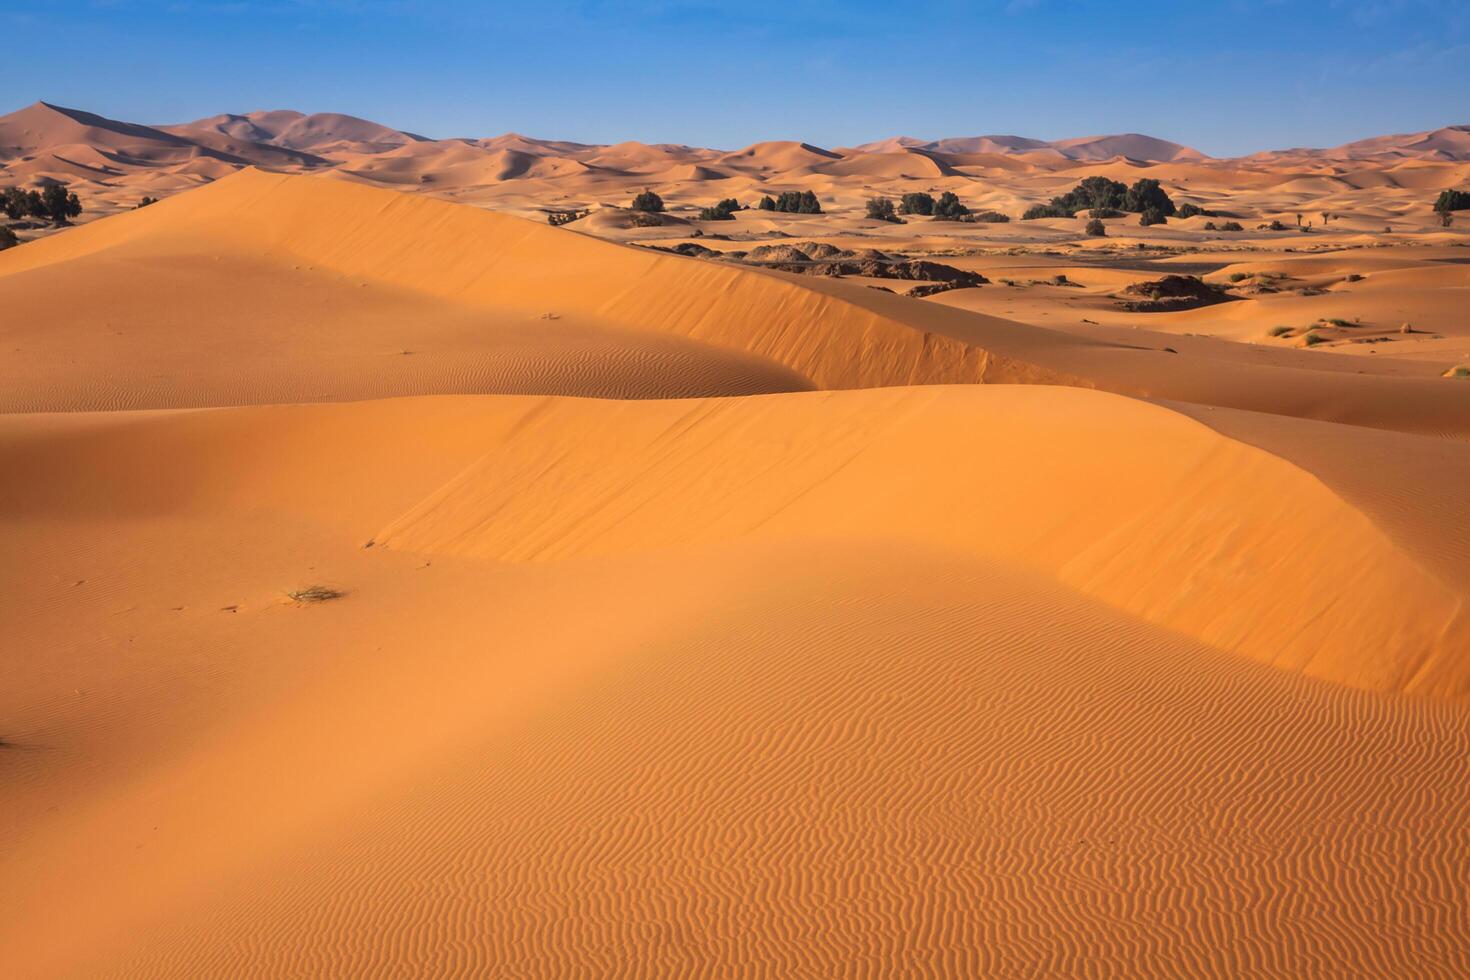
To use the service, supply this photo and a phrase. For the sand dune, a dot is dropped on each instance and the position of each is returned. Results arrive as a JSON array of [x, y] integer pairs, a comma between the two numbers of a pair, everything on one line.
[[556, 813], [476, 320], [678, 616]]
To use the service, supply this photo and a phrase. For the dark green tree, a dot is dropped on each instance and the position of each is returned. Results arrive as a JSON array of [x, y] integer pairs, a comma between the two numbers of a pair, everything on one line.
[[1096, 228], [949, 208], [767, 203], [1093, 193], [58, 205], [881, 209], [1147, 193], [916, 202], [1152, 215], [648, 201], [1452, 200], [722, 211]]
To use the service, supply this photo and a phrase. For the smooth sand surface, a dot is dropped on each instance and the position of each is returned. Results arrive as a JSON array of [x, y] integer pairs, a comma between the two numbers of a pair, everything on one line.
[[692, 619]]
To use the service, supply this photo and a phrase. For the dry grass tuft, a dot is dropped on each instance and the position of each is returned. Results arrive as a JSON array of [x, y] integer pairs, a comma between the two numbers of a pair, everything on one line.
[[316, 593]]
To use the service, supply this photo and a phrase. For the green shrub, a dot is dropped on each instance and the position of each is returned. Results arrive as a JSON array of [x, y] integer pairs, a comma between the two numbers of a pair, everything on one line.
[[1312, 339], [648, 202], [798, 202], [1045, 211], [147, 201], [881, 209], [1146, 193], [1096, 228], [7, 238], [1451, 200], [1278, 331], [1210, 226], [767, 203], [554, 218], [992, 217], [1095, 193], [916, 203], [1232, 226], [1238, 276], [1191, 210], [1152, 216], [58, 204], [722, 211], [949, 208]]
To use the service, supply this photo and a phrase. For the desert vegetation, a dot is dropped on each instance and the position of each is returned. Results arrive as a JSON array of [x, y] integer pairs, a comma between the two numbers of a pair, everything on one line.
[[949, 208], [648, 202], [1452, 200], [882, 209], [721, 211], [792, 202], [1101, 194], [554, 218], [917, 202], [54, 204]]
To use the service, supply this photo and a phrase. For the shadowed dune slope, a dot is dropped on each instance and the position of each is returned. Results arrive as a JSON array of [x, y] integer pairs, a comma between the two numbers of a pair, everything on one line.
[[889, 681]]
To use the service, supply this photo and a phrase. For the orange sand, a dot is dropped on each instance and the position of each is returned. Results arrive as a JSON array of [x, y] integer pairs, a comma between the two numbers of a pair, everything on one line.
[[704, 620]]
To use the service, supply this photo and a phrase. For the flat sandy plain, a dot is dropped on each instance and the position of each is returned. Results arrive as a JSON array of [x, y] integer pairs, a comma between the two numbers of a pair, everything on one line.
[[694, 618]]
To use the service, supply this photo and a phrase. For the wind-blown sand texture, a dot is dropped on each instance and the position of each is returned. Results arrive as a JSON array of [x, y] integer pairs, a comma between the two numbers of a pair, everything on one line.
[[685, 618]]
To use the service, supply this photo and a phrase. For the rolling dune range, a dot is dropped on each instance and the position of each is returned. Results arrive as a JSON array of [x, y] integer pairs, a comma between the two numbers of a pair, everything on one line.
[[698, 618]]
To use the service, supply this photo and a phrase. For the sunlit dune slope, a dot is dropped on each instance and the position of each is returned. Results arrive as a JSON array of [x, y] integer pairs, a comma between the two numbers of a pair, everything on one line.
[[925, 681]]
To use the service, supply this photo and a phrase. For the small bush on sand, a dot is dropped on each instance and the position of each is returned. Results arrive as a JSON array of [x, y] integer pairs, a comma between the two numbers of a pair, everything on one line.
[[1146, 194], [881, 209], [1096, 228], [949, 208], [1278, 331], [916, 202], [722, 211], [798, 202], [1152, 216], [7, 238], [1452, 200], [1191, 210], [1232, 226], [1045, 211], [1312, 339], [316, 593], [648, 202], [992, 217]]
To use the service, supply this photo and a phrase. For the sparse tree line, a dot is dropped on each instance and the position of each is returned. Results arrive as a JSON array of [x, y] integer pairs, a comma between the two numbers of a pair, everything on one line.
[[947, 207], [53, 203], [791, 202], [1105, 198]]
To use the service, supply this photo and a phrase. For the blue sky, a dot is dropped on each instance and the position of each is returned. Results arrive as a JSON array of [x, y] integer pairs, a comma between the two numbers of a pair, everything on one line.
[[1227, 77]]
